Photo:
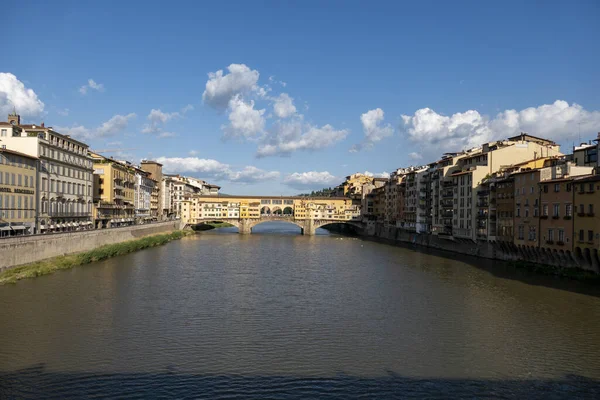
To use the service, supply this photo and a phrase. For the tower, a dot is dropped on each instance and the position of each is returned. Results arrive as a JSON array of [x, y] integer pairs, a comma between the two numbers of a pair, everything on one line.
[[14, 118]]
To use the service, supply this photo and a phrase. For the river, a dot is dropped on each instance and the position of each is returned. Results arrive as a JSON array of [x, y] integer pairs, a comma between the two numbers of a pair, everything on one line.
[[278, 315]]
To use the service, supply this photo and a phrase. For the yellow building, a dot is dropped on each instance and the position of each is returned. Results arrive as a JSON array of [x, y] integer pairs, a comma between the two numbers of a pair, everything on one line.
[[17, 193], [586, 210], [196, 209], [114, 192]]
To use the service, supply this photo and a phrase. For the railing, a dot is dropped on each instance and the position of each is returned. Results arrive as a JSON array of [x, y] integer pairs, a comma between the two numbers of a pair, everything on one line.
[[68, 214]]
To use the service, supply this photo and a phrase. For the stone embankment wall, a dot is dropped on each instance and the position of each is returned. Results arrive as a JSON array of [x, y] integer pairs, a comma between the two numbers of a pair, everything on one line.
[[27, 249], [491, 250]]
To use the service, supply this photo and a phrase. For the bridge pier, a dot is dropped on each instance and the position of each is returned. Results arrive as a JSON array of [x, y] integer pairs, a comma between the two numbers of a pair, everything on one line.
[[244, 227], [309, 227]]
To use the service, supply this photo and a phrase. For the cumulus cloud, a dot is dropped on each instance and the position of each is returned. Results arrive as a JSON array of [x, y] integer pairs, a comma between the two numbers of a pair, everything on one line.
[[113, 126], [157, 118], [116, 124], [221, 88], [373, 128], [91, 85], [557, 121], [213, 169], [310, 180], [244, 120], [377, 175], [14, 95], [284, 106], [252, 174], [285, 138]]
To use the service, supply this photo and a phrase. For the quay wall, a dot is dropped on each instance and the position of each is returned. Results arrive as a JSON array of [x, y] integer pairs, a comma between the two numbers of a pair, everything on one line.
[[21, 250], [494, 250]]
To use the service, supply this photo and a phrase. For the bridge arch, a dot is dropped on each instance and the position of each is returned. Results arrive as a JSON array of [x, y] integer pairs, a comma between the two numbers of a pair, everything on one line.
[[254, 223]]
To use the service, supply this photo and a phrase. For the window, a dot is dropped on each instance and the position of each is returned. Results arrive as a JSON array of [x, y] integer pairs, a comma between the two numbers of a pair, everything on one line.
[[581, 235], [557, 187], [550, 235], [532, 234], [527, 213], [518, 212], [561, 235], [3, 132], [545, 188], [545, 210], [568, 210], [591, 187], [521, 232], [590, 236], [12, 180], [568, 187], [556, 210], [581, 209]]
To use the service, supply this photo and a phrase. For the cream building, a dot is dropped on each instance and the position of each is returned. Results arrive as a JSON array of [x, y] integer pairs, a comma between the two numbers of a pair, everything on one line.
[[64, 194], [479, 164]]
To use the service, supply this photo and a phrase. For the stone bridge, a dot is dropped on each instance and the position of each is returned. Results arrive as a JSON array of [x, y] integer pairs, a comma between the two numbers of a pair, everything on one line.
[[307, 226]]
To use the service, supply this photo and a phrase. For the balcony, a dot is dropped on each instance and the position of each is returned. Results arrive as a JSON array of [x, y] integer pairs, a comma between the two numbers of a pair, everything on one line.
[[549, 241], [590, 214], [68, 214], [555, 217], [543, 217], [567, 217], [560, 243], [580, 214]]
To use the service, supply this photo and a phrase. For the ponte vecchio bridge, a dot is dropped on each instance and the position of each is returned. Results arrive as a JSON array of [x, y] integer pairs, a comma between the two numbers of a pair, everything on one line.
[[245, 212]]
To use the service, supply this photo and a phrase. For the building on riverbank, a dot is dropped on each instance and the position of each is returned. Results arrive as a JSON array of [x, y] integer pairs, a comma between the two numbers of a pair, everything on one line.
[[154, 170], [143, 191], [114, 192], [18, 186], [64, 175]]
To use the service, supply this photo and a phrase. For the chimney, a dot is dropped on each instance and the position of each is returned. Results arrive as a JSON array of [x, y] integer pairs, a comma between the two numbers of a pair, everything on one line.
[[42, 125]]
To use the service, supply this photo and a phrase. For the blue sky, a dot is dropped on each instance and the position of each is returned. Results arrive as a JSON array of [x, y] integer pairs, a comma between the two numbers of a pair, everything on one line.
[[309, 91]]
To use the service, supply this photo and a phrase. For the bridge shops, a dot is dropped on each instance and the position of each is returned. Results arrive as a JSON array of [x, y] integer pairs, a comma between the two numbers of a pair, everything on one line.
[[247, 211]]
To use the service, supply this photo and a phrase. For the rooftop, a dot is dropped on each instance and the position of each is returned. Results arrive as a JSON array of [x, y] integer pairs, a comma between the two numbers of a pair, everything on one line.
[[2, 150]]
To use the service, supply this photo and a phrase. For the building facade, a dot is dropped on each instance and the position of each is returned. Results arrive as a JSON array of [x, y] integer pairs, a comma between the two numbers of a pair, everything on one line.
[[154, 170], [64, 194], [18, 192], [114, 192], [143, 191]]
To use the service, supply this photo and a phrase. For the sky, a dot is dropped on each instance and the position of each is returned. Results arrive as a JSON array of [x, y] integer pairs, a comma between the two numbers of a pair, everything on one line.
[[279, 98]]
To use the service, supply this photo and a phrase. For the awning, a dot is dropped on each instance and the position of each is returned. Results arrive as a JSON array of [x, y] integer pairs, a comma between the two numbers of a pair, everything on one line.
[[18, 227], [5, 228]]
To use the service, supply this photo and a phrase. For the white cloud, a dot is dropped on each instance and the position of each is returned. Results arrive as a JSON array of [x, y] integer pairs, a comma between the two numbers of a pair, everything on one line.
[[252, 174], [284, 106], [113, 126], [163, 135], [415, 156], [158, 118], [221, 88], [377, 175], [374, 130], [285, 138], [76, 131], [214, 169], [193, 152], [273, 80], [91, 85], [244, 120], [14, 94], [557, 121], [63, 112], [310, 180]]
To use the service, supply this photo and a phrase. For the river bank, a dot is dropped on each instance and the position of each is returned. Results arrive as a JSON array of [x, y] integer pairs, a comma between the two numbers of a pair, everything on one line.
[[559, 265], [54, 264]]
